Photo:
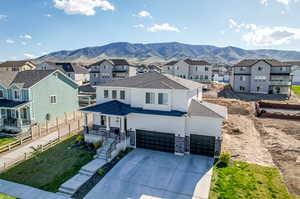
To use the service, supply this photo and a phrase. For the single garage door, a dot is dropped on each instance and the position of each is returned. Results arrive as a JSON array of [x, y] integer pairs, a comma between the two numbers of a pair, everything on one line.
[[155, 140], [202, 145]]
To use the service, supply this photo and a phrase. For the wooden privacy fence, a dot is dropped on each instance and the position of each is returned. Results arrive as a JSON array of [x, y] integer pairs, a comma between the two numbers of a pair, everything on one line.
[[72, 130], [63, 125]]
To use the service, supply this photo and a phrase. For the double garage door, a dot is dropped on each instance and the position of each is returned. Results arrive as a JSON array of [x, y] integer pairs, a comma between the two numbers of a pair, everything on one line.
[[202, 145]]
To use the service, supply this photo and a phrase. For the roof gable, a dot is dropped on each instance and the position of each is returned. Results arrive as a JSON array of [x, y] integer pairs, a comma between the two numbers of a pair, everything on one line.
[[202, 108], [251, 62]]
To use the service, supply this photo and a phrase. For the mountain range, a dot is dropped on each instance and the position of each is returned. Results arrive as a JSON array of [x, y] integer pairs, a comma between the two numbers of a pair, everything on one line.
[[163, 52]]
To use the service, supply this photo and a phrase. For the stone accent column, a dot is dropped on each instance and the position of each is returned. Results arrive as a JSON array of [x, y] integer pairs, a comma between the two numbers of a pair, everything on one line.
[[187, 144], [179, 145], [1, 120], [218, 143], [85, 124]]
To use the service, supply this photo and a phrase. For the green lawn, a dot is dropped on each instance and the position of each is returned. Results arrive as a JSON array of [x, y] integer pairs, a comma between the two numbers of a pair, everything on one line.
[[242, 180], [4, 141], [50, 169], [4, 196], [296, 89]]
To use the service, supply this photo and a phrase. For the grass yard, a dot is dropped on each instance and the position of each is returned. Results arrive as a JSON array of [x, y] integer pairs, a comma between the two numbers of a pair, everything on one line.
[[4, 196], [242, 180], [51, 168], [296, 89], [5, 140]]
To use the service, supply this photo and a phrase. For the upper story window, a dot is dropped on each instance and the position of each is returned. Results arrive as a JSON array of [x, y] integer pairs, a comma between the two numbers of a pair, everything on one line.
[[242, 78], [242, 69], [163, 98], [114, 94], [105, 93], [168, 68], [1, 93], [122, 95], [150, 98], [177, 67], [53, 99], [282, 68], [17, 94], [259, 68], [206, 68]]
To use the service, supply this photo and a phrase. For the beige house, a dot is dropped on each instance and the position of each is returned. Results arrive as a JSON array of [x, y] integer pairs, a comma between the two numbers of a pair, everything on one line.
[[17, 66]]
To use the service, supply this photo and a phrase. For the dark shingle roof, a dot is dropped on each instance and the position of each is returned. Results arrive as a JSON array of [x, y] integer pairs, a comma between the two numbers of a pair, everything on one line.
[[72, 67], [4, 103], [28, 78], [202, 108], [171, 63], [251, 62], [114, 62], [87, 89], [154, 80], [17, 64], [293, 63], [7, 77], [196, 62], [118, 108]]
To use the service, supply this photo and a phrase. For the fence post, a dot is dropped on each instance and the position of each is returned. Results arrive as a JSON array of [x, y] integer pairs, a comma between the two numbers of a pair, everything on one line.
[[57, 122], [78, 123], [69, 129], [39, 130], [47, 130], [25, 156], [9, 147], [31, 133], [74, 115], [66, 118], [21, 141]]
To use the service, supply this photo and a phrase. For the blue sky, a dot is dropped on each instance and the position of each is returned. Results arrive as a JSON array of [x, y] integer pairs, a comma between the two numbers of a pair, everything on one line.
[[31, 28]]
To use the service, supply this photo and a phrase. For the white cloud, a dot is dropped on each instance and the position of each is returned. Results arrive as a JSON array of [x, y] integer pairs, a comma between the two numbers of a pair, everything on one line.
[[83, 7], [139, 26], [265, 36], [163, 27], [44, 53], [3, 17], [284, 2], [26, 36], [48, 15], [9, 41], [144, 13], [23, 43], [39, 44], [29, 56]]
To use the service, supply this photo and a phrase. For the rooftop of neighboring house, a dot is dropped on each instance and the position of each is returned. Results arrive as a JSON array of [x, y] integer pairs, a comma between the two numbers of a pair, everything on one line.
[[293, 63], [23, 79], [155, 80], [202, 108], [251, 62], [17, 64], [189, 62], [114, 62], [72, 67]]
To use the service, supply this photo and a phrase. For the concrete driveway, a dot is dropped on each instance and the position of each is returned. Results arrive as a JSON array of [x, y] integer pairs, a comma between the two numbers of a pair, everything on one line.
[[146, 174]]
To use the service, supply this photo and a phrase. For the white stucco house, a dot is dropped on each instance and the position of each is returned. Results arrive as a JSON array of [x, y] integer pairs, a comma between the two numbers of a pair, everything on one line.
[[295, 69], [157, 111]]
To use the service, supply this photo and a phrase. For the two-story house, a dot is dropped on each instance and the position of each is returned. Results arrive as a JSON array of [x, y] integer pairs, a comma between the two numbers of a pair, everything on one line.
[[158, 111], [295, 71], [266, 76], [75, 71], [34, 96], [110, 69], [147, 68], [197, 70], [17, 66]]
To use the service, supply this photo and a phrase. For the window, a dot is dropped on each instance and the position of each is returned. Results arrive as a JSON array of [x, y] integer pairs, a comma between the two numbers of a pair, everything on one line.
[[259, 68], [105, 93], [150, 98], [257, 89], [53, 99], [282, 68], [242, 78], [16, 94], [177, 67], [206, 68], [114, 94], [163, 98], [206, 77], [242, 88], [242, 68], [1, 93], [122, 95]]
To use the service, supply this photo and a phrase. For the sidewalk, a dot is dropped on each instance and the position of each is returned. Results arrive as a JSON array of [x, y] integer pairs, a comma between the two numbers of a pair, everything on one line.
[[26, 192], [20, 152]]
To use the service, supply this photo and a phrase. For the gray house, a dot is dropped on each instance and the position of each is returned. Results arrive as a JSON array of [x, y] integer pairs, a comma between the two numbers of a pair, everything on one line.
[[266, 76], [110, 69]]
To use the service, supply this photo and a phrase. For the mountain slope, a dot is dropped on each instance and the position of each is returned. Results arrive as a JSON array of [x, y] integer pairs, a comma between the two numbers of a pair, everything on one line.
[[161, 52]]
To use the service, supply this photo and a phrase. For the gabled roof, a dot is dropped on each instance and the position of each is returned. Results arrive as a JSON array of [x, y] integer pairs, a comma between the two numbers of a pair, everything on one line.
[[72, 67], [171, 63], [154, 80], [7, 77], [114, 62], [293, 63], [202, 108], [10, 64], [118, 108], [251, 62], [196, 62], [28, 78]]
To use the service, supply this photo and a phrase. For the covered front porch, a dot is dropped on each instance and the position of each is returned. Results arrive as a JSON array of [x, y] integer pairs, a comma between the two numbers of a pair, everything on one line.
[[15, 116]]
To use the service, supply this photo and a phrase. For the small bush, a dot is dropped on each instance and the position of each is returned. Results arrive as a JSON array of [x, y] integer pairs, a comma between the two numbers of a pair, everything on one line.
[[224, 159], [80, 138], [101, 172], [97, 144]]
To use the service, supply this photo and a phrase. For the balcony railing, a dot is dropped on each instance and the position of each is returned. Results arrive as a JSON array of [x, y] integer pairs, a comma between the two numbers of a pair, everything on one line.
[[280, 83], [12, 122]]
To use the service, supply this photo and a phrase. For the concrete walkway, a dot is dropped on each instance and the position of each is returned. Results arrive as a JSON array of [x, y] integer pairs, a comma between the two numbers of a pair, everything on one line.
[[18, 153], [26, 192]]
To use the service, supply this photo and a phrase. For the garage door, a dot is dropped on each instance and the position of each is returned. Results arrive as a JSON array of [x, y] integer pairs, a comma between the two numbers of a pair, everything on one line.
[[155, 140], [202, 145]]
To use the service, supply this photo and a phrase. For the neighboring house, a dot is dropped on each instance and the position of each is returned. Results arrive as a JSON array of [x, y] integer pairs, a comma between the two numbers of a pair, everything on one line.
[[75, 71], [220, 73], [158, 111], [34, 96], [266, 76], [86, 95], [147, 68], [295, 65], [196, 70], [110, 69], [17, 66]]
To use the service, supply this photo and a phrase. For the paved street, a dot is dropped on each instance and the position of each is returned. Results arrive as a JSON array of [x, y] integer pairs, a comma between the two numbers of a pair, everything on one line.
[[145, 174]]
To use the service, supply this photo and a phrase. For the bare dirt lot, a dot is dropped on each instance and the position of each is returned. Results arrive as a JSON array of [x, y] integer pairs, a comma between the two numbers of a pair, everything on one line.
[[264, 141]]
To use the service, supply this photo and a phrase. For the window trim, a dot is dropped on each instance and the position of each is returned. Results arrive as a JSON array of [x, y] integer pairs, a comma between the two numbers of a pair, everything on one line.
[[2, 91], [105, 97], [150, 102], [14, 96], [112, 94], [54, 98], [163, 94], [122, 91]]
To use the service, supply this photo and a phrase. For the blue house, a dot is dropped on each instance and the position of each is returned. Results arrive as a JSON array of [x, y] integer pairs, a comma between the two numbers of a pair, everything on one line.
[[34, 96]]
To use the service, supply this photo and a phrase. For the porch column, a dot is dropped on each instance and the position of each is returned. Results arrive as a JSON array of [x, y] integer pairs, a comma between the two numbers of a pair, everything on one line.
[[1, 121], [107, 123], [19, 119], [85, 121], [122, 131]]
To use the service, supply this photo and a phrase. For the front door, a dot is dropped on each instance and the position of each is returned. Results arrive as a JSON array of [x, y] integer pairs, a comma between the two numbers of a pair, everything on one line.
[[103, 120]]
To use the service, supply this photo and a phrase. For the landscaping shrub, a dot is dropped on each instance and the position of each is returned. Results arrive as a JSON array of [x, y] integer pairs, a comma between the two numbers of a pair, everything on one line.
[[101, 171], [224, 159], [80, 138], [97, 144]]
